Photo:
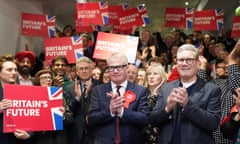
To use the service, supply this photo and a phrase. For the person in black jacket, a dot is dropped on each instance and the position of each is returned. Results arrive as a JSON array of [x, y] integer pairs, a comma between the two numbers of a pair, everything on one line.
[[78, 100], [231, 124], [8, 75]]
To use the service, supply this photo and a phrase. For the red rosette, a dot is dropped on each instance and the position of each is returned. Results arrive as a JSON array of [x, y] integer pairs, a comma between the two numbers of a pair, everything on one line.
[[130, 97]]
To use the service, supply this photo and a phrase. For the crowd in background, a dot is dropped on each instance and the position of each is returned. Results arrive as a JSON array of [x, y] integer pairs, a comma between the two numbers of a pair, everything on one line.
[[155, 66]]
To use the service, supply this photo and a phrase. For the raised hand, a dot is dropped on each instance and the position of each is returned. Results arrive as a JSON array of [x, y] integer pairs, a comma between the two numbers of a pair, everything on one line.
[[234, 56], [77, 89]]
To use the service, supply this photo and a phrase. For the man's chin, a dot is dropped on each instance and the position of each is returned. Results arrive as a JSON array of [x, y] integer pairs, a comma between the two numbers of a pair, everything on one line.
[[12, 82], [60, 73], [27, 71]]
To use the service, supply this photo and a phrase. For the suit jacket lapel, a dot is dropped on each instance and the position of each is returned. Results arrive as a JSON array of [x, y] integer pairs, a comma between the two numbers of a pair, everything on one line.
[[108, 88], [175, 85]]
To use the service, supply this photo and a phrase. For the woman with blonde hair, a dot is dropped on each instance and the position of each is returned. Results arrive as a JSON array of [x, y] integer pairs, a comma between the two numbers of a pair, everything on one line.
[[156, 77]]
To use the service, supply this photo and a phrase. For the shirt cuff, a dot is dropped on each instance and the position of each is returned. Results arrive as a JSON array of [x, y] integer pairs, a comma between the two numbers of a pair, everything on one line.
[[121, 114]]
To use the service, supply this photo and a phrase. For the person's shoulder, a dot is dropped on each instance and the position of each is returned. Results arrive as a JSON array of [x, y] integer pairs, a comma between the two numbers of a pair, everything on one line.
[[70, 85], [209, 84], [134, 85], [95, 82], [102, 86], [173, 83]]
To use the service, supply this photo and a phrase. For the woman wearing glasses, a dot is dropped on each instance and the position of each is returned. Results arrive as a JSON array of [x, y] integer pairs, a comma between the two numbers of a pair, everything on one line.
[[44, 77]]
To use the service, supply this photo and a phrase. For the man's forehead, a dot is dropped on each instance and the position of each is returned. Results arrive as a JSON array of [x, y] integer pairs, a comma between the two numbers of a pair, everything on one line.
[[59, 62]]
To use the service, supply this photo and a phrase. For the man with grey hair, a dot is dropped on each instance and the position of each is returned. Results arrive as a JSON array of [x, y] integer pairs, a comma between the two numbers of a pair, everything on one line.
[[78, 99], [132, 73], [187, 109], [118, 110]]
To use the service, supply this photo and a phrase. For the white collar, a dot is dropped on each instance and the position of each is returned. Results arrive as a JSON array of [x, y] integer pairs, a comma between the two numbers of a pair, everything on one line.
[[124, 84]]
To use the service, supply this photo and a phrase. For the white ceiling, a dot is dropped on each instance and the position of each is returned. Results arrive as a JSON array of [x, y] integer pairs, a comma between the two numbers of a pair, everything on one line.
[[64, 9]]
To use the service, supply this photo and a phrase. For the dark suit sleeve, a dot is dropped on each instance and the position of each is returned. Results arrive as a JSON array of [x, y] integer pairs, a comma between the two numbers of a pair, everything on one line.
[[70, 98], [138, 116], [99, 112], [207, 113], [159, 116]]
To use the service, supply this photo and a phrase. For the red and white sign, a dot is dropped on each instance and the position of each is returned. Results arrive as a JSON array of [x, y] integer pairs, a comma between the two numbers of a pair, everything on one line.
[[34, 108], [92, 13], [114, 11], [208, 19], [80, 28], [132, 17], [70, 47], [108, 43], [129, 18], [38, 25], [179, 17], [236, 27]]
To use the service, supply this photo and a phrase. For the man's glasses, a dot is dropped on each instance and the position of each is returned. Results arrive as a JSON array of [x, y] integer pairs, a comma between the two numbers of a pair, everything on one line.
[[187, 60], [118, 68]]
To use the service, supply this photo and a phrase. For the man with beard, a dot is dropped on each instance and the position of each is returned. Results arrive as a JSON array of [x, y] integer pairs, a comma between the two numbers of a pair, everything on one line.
[[26, 60]]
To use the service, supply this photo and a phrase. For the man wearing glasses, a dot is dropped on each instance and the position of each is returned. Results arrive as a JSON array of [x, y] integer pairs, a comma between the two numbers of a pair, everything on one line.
[[118, 110], [187, 109]]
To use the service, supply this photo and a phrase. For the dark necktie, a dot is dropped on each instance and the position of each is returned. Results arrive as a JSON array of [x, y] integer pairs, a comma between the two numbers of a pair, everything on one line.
[[117, 131], [84, 88], [84, 99]]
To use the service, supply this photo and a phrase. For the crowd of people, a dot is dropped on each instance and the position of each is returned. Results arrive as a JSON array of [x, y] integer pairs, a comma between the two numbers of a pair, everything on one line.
[[182, 89]]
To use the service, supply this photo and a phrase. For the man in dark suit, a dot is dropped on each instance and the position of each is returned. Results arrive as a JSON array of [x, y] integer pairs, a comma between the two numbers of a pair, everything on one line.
[[187, 109], [118, 110], [78, 99]]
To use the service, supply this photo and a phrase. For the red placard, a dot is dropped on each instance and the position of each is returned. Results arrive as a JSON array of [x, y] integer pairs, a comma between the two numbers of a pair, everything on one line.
[[114, 11], [70, 47], [236, 27], [108, 43], [38, 25], [208, 19], [179, 17], [129, 18], [34, 108], [92, 13]]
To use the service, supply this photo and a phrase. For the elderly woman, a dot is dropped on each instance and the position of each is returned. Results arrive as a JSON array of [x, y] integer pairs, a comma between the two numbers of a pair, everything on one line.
[[8, 75], [44, 77], [156, 77]]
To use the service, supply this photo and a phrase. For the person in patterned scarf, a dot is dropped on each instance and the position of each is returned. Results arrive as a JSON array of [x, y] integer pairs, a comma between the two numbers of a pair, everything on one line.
[[156, 77]]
